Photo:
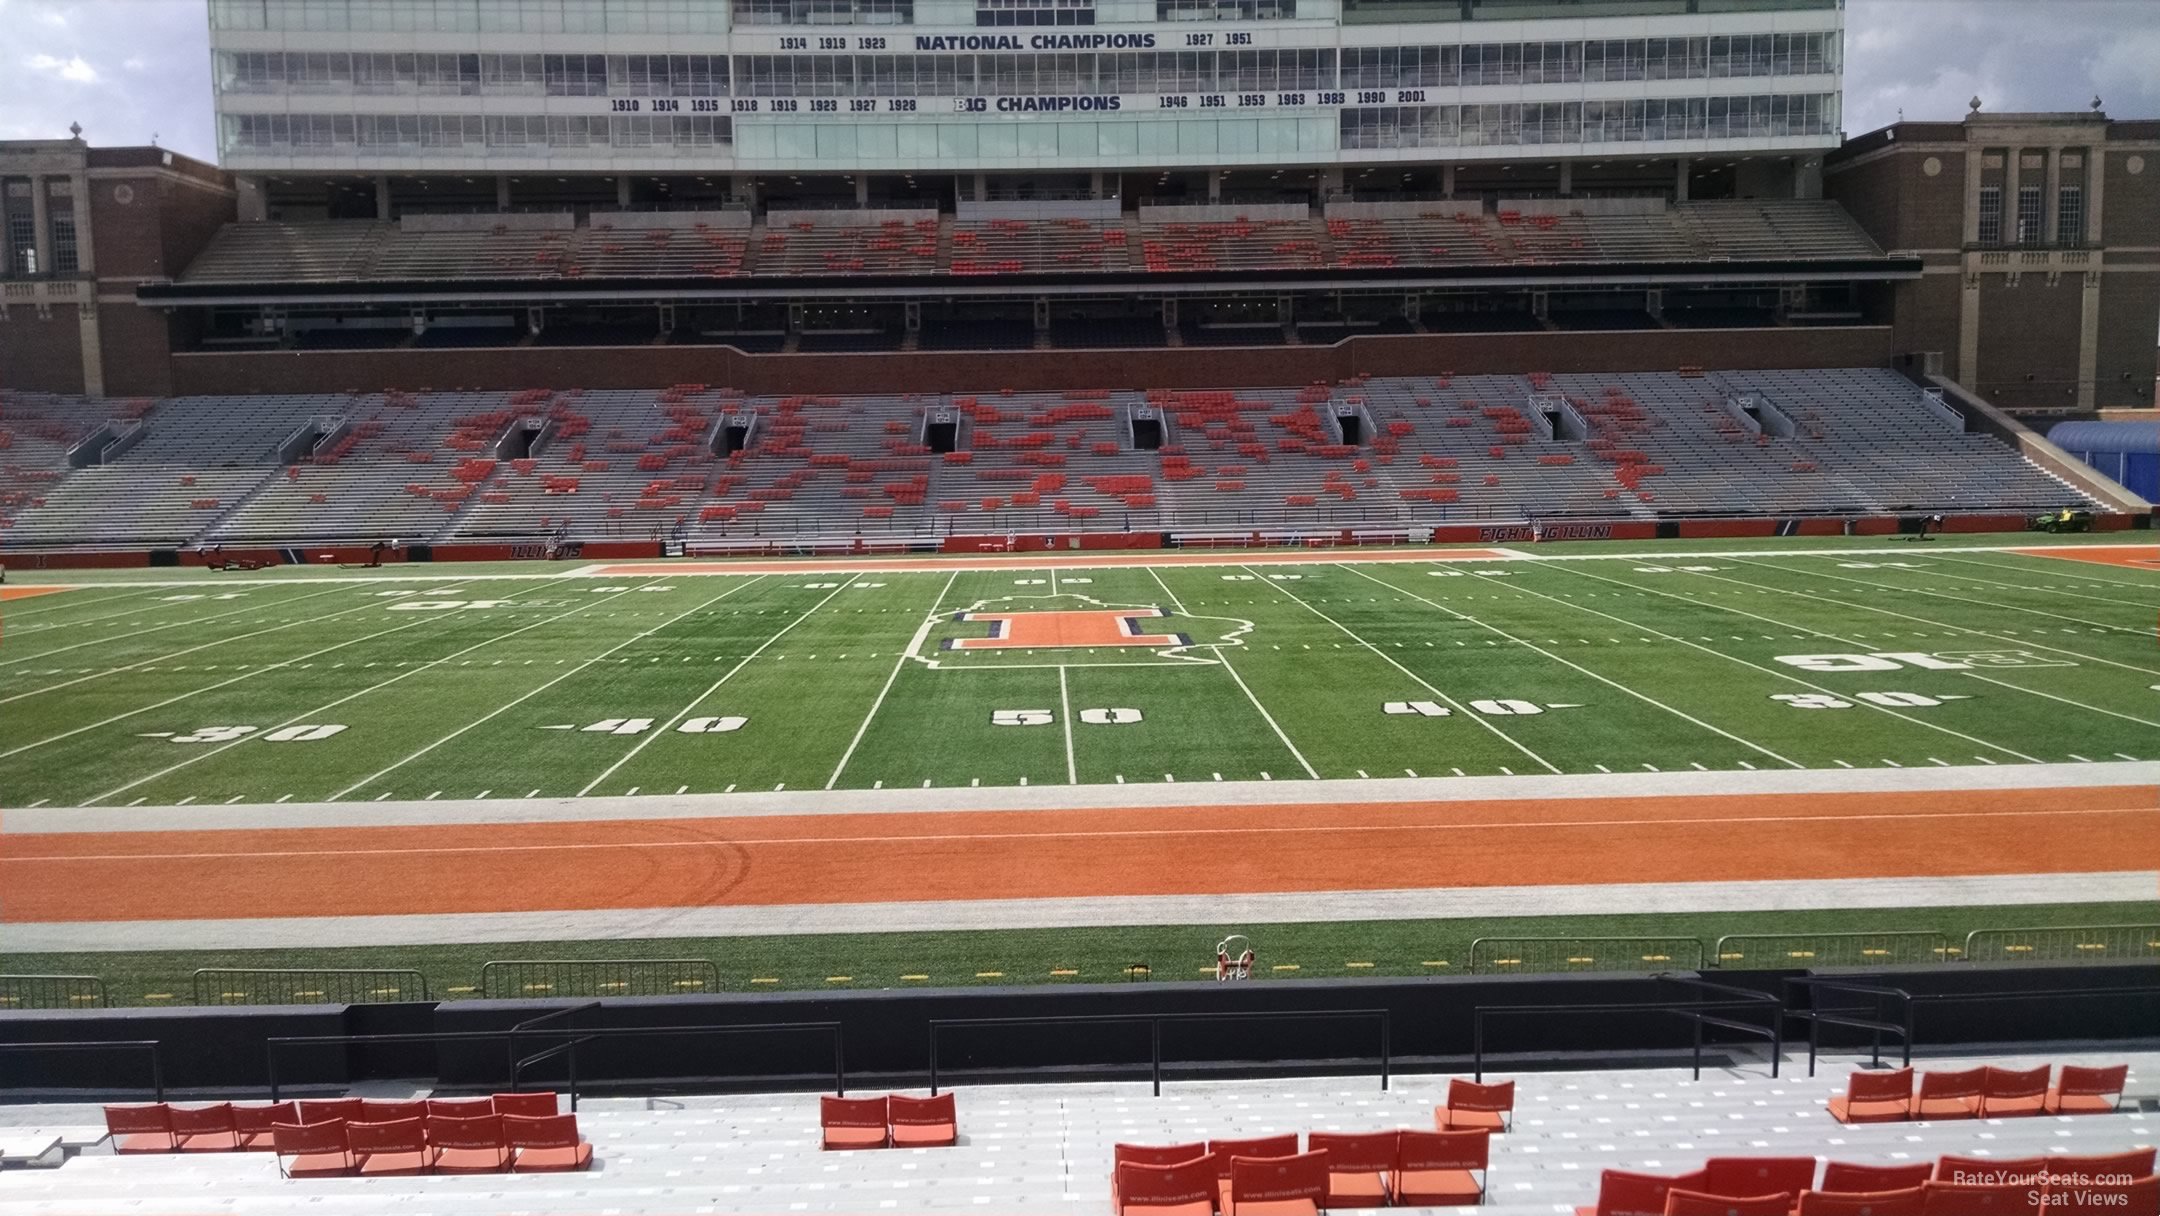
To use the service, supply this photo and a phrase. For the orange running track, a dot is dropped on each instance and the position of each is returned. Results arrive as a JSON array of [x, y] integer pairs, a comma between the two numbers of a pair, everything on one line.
[[1196, 850]]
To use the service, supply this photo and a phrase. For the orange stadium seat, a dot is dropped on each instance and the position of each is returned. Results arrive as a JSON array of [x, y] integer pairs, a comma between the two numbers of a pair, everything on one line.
[[322, 1110], [1903, 1201], [1949, 1095], [1360, 1166], [1444, 1168], [1184, 1188], [545, 1143], [394, 1147], [530, 1105], [1295, 1185], [923, 1122], [2006, 1199], [1989, 1171], [1701, 1203], [1158, 1154], [141, 1129], [254, 1124], [1471, 1106], [1752, 1176], [2133, 1163], [471, 1144], [462, 1108], [854, 1122], [1875, 1097], [205, 1129], [2087, 1091], [1223, 1151], [1845, 1177], [373, 1110], [1627, 1193], [2128, 1197], [2005, 1091], [312, 1150]]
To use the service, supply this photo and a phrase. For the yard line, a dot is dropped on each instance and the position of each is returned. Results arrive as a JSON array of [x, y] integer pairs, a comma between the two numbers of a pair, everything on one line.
[[509, 705], [58, 602], [2065, 700], [303, 716], [2051, 566], [1460, 708], [1645, 698], [1391, 825], [1921, 620], [1224, 659], [2101, 599], [922, 631], [684, 712], [31, 658], [1782, 675], [1072, 773]]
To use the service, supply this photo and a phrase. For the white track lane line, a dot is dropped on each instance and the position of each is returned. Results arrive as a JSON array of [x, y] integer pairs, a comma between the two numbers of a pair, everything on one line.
[[2138, 630], [684, 712], [1643, 697], [1460, 708], [735, 843], [1223, 657], [305, 715], [1782, 675], [914, 644], [512, 704], [199, 620]]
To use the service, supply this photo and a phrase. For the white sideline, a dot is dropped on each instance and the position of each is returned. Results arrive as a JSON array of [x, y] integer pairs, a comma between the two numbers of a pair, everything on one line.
[[939, 916]]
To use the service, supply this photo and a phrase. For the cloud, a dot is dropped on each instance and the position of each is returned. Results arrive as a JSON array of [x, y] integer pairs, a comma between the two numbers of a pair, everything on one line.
[[74, 69]]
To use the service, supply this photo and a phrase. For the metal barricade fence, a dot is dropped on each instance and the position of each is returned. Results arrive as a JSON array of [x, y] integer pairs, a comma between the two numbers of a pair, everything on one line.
[[1779, 950], [2063, 944], [1545, 955], [51, 992], [512, 978], [307, 986]]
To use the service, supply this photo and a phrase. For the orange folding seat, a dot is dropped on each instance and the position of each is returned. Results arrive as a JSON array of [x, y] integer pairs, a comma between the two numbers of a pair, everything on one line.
[[1701, 1203], [374, 1110], [392, 1148], [1875, 1097], [530, 1105], [854, 1122], [1158, 1154], [1360, 1166], [2131, 1163], [205, 1129], [1901, 1201], [322, 1110], [923, 1122], [2007, 1199], [1949, 1095], [312, 1150], [545, 1143], [1252, 1146], [141, 1129], [466, 1108], [2087, 1091], [470, 1144], [1443, 1169], [1751, 1176], [253, 1123], [1627, 1193], [2006, 1091], [2117, 1196], [1990, 1171], [1471, 1106], [1184, 1188], [1295, 1185], [1842, 1176]]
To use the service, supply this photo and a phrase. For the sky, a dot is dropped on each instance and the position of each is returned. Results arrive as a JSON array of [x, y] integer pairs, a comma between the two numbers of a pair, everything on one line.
[[131, 71]]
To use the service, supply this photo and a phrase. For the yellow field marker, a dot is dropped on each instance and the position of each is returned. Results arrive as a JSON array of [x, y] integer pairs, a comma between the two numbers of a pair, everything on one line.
[[1434, 962], [307, 994], [384, 992], [689, 983], [539, 987], [764, 979], [466, 988], [1657, 958], [914, 977], [1063, 971], [1286, 966], [989, 975], [157, 996], [839, 979], [232, 996], [1357, 964], [1588, 959]]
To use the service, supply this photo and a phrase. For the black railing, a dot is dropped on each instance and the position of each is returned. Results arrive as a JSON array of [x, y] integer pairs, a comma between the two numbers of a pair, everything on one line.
[[1876, 1022], [512, 1035], [149, 1047], [1697, 1014], [1154, 1023]]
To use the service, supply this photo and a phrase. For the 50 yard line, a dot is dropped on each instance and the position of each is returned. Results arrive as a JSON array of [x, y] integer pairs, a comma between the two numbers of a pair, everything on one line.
[[684, 712]]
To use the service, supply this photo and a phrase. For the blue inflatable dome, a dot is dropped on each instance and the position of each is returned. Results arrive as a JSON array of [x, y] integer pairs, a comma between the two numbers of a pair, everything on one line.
[[2129, 452]]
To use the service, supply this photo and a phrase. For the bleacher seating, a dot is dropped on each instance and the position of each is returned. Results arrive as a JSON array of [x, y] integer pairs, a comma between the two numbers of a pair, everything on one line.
[[641, 464]]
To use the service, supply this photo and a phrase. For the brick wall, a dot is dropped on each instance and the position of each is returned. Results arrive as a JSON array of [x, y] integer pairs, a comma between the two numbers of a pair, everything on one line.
[[2029, 341], [41, 355]]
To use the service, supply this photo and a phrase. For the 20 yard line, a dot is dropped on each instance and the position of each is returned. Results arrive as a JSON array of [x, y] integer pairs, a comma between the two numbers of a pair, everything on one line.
[[521, 699], [684, 712], [914, 644], [1224, 659], [1644, 698], [1782, 675], [1459, 707], [352, 696], [1072, 771]]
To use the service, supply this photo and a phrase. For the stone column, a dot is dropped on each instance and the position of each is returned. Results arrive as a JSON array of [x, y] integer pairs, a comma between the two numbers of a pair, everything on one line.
[[1447, 180], [382, 196], [252, 204], [862, 189], [1214, 185], [622, 191], [1680, 182], [2013, 160], [1095, 184], [2049, 211], [2095, 173], [41, 224], [93, 348], [502, 192], [1567, 178], [85, 255]]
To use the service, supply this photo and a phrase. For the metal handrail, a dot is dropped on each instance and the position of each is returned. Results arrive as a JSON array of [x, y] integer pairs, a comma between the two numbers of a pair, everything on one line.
[[1154, 1023], [1697, 1013], [151, 1046], [1876, 1025], [511, 1035]]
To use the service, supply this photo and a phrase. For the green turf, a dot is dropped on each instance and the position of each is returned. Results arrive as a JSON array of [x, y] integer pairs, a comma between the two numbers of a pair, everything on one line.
[[565, 685], [1316, 950]]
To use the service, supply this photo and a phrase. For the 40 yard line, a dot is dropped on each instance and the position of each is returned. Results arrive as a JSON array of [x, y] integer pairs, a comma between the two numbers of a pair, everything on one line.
[[1643, 697], [522, 698], [1459, 707], [914, 644], [1224, 659], [684, 712]]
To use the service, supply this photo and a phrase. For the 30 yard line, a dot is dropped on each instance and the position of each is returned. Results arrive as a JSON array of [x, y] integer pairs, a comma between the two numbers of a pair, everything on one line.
[[1222, 657], [353, 696], [1072, 771], [914, 644], [1782, 675], [238, 637], [522, 698], [684, 712], [1644, 698], [2075, 595], [2050, 566], [1459, 707]]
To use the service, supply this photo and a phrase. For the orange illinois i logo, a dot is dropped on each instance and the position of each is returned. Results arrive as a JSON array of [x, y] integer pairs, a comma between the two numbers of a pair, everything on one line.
[[1050, 630]]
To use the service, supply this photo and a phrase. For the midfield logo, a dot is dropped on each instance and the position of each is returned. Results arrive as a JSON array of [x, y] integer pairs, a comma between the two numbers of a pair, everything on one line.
[[1054, 630]]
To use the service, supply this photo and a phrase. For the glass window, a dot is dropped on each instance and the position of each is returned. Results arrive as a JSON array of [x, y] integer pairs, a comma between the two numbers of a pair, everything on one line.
[[2070, 215], [2028, 216], [1991, 215]]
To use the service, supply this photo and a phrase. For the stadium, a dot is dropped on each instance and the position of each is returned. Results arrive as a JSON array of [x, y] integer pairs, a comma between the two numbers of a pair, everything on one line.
[[1243, 606]]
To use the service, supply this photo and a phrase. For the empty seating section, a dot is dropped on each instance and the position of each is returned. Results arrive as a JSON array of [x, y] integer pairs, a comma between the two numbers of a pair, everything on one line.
[[838, 242], [1350, 237], [640, 464]]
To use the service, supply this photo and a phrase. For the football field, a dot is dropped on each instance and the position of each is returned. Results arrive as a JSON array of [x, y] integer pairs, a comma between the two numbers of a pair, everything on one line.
[[417, 683]]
